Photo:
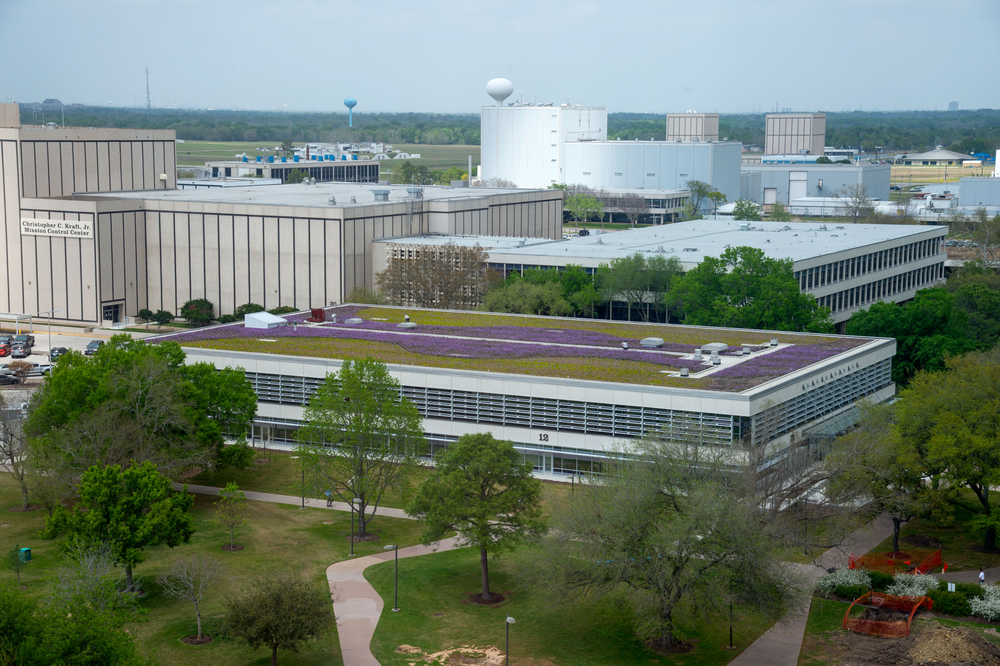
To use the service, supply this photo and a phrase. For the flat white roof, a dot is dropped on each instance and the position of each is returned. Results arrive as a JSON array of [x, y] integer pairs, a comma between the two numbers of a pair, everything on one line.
[[317, 195], [690, 242]]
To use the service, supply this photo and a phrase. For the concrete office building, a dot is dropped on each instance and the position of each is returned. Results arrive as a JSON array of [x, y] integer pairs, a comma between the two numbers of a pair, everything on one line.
[[793, 133], [525, 144], [322, 171], [979, 192], [692, 127], [654, 165], [845, 267], [96, 229], [778, 399], [786, 182]]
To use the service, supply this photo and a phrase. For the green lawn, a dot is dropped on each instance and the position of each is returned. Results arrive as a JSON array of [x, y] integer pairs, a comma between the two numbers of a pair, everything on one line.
[[586, 633], [277, 539], [961, 546], [439, 157]]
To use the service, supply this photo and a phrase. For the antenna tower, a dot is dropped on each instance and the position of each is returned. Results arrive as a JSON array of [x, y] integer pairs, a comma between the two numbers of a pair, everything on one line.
[[149, 105]]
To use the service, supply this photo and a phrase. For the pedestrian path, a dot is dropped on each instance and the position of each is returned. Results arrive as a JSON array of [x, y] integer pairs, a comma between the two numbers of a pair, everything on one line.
[[296, 501], [972, 576], [356, 604]]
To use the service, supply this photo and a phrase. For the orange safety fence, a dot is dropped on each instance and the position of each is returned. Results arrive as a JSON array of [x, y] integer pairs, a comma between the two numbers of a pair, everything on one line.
[[884, 628], [894, 563]]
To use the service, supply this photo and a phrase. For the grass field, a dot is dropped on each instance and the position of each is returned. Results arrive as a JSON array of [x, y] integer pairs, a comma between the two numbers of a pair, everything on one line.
[[433, 617], [902, 174], [431, 156], [276, 539]]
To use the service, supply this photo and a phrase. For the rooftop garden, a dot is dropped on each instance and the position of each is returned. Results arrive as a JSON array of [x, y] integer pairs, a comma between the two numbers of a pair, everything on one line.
[[576, 349]]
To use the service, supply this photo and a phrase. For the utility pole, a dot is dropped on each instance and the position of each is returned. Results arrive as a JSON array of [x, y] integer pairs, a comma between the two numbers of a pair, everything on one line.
[[149, 105]]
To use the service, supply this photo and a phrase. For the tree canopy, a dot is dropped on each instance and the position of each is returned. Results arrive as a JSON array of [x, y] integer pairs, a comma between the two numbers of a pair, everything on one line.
[[744, 288], [482, 489]]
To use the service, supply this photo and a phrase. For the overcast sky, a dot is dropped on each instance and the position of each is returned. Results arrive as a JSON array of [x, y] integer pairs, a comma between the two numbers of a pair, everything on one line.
[[652, 56]]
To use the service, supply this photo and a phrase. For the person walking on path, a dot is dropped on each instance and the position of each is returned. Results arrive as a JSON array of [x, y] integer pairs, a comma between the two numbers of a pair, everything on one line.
[[982, 577], [329, 498]]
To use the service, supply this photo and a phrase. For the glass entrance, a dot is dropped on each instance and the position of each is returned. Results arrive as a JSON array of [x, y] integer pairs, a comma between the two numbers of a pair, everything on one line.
[[112, 313]]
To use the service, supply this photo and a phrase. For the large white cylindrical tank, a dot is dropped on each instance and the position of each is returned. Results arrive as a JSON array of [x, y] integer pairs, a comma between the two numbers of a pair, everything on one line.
[[499, 89]]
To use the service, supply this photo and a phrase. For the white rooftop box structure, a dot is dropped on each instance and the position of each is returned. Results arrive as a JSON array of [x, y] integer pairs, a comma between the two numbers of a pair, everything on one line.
[[263, 320]]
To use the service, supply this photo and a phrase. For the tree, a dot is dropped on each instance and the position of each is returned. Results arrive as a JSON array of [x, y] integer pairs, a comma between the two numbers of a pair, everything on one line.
[[779, 213], [199, 311], [20, 369], [583, 207], [14, 562], [744, 288], [162, 318], [524, 297], [482, 489], [295, 176], [232, 509], [189, 579], [279, 612], [823, 159], [951, 417], [360, 437], [13, 442], [717, 198], [129, 509], [746, 210], [855, 202], [287, 148], [635, 279], [984, 231], [90, 577], [443, 276], [666, 523], [633, 205], [700, 190], [247, 308], [145, 314], [500, 183]]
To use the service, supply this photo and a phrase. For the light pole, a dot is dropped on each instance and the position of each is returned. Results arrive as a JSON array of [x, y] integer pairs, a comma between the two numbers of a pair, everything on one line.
[[353, 501], [49, 313], [506, 654], [395, 603]]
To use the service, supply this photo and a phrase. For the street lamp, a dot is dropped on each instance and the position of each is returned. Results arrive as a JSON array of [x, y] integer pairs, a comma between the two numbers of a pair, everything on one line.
[[395, 603], [356, 500], [506, 654], [49, 313]]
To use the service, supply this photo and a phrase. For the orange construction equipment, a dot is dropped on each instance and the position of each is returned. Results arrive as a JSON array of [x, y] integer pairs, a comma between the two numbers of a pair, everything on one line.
[[884, 628]]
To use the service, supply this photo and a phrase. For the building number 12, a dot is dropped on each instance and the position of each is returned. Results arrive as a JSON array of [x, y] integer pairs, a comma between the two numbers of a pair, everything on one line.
[[543, 437]]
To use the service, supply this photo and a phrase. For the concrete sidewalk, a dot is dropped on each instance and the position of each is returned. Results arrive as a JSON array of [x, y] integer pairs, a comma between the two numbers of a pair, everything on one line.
[[356, 604], [296, 501]]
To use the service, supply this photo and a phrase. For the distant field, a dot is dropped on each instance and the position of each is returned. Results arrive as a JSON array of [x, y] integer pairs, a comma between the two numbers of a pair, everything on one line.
[[433, 157], [935, 174]]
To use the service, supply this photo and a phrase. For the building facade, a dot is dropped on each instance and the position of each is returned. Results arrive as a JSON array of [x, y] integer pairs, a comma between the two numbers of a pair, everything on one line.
[[786, 182], [794, 133], [692, 127], [320, 170]]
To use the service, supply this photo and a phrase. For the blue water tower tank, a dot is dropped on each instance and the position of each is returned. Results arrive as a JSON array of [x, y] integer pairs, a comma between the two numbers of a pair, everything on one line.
[[350, 103]]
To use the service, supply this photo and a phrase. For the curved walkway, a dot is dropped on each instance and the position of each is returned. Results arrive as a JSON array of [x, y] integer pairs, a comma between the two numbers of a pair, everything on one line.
[[356, 604], [295, 500]]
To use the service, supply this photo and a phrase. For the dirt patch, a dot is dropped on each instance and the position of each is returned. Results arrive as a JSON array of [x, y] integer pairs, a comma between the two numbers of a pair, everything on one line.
[[194, 640], [232, 549], [477, 598], [371, 536], [464, 655], [5, 525], [930, 645], [679, 647], [921, 541], [191, 473], [21, 509], [263, 461], [879, 614]]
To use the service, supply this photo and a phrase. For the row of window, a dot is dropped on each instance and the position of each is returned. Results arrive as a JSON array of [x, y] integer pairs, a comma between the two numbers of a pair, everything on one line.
[[870, 263], [882, 289]]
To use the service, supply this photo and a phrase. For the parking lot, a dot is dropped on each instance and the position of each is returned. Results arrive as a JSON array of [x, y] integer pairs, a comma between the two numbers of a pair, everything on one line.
[[77, 341]]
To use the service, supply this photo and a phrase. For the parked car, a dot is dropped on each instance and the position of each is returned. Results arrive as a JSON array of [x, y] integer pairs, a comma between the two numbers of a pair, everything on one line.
[[93, 346], [20, 351], [56, 352], [25, 339], [37, 370], [5, 339], [6, 380], [5, 349]]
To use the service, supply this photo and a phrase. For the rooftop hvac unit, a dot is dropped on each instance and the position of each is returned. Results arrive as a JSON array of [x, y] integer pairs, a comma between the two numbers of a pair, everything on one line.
[[744, 226], [381, 195]]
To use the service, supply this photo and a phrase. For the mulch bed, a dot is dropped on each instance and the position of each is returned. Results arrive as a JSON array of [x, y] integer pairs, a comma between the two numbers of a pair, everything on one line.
[[477, 598], [921, 541], [21, 509], [194, 640], [232, 549], [679, 647], [371, 536]]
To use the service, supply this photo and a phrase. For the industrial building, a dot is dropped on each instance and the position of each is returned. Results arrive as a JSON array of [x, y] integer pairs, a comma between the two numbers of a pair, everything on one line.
[[937, 157], [95, 229], [847, 267], [794, 133], [692, 127], [979, 193], [321, 170], [522, 380], [786, 182]]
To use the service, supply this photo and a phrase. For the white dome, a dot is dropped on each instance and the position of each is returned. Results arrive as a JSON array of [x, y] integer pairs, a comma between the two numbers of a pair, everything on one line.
[[499, 89]]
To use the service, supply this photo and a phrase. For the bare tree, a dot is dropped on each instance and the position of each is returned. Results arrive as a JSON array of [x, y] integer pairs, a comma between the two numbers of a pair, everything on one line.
[[20, 369], [632, 205], [497, 182], [855, 202], [984, 232], [436, 276], [190, 578], [91, 576], [13, 442]]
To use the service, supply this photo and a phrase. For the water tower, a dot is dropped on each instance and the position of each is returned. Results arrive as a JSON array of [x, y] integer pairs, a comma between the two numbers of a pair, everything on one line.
[[499, 89], [350, 103]]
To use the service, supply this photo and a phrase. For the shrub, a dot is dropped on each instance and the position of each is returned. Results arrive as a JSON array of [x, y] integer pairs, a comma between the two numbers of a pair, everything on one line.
[[199, 311], [247, 308], [987, 606], [912, 585], [227, 319], [950, 603], [850, 591], [880, 581], [283, 309], [843, 578]]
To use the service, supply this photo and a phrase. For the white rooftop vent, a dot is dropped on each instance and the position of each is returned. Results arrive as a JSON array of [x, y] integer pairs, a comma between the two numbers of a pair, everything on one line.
[[715, 347], [744, 226], [651, 342], [381, 195], [685, 372], [407, 325], [353, 320], [263, 320]]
